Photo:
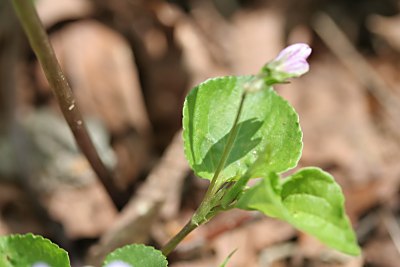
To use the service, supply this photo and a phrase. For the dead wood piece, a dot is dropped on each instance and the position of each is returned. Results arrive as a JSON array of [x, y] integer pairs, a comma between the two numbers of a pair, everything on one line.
[[158, 196], [276, 253], [393, 227], [52, 12], [195, 263], [250, 239], [336, 40], [84, 212]]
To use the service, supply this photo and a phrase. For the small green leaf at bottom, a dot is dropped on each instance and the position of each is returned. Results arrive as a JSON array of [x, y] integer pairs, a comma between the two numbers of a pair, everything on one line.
[[31, 250], [311, 201], [136, 255]]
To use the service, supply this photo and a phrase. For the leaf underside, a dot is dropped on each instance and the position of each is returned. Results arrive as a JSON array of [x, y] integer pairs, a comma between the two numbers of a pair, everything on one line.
[[267, 124]]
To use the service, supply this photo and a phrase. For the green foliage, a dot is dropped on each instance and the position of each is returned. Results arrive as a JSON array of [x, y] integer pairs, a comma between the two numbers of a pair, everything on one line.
[[136, 255], [263, 141], [310, 200], [26, 250], [234, 129], [267, 122], [227, 259]]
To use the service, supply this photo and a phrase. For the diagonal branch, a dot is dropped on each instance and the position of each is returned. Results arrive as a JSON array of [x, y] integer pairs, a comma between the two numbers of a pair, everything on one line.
[[40, 43]]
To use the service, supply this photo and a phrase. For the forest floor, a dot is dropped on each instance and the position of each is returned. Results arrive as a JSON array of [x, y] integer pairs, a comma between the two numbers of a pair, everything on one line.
[[131, 64]]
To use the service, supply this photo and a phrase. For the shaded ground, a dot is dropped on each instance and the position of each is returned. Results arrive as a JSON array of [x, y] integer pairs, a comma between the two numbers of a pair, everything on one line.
[[131, 63]]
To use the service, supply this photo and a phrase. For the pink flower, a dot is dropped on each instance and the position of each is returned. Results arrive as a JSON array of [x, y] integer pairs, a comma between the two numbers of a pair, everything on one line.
[[292, 60], [290, 63]]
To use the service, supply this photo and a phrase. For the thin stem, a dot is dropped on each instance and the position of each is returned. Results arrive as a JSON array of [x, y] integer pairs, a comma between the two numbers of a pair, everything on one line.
[[40, 43], [171, 245], [227, 149], [202, 213]]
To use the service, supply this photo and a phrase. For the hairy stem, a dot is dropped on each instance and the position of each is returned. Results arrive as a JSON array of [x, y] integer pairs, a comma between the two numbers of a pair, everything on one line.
[[40, 43]]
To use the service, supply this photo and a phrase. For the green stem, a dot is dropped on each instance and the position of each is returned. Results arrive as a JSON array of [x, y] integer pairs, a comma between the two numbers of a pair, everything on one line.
[[202, 213], [171, 245], [40, 43], [227, 150]]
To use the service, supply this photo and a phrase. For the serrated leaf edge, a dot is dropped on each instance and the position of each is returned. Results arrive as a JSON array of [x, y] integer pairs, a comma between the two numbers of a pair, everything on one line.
[[15, 237], [299, 131], [230, 78], [35, 237], [186, 118]]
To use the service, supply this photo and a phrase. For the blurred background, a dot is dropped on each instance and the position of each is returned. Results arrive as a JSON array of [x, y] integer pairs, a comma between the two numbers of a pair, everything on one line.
[[130, 64]]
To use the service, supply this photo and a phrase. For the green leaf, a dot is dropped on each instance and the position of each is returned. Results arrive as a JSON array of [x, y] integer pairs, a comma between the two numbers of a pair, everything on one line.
[[134, 256], [26, 250], [267, 122], [228, 258], [311, 201], [265, 197]]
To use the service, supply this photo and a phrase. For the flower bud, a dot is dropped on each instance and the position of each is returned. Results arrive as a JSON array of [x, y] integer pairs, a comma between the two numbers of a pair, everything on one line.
[[291, 62]]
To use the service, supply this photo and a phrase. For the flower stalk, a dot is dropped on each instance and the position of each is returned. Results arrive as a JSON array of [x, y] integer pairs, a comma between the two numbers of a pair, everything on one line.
[[290, 63], [205, 211]]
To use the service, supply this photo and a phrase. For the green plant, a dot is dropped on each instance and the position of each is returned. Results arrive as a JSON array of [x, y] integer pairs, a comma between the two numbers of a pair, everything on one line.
[[234, 129]]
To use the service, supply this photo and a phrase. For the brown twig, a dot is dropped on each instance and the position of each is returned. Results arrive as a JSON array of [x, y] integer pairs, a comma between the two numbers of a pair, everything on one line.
[[40, 43], [10, 128]]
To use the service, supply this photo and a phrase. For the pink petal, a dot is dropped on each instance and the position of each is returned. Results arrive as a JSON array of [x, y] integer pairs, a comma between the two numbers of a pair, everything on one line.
[[296, 68], [295, 51]]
